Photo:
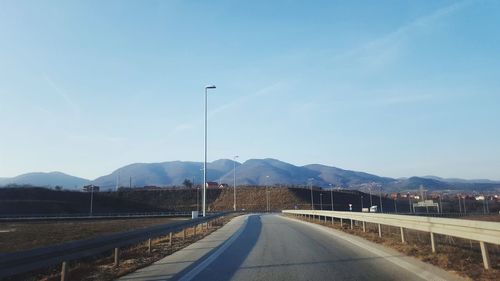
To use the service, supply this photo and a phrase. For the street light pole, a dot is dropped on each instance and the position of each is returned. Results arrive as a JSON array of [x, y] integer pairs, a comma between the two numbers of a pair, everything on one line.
[[331, 194], [267, 194], [487, 206], [321, 201], [234, 181], [371, 202], [91, 200], [312, 196], [205, 162], [380, 197]]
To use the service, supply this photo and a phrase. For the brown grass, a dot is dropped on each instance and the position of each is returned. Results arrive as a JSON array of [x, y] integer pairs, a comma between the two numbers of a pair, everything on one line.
[[494, 218], [453, 254], [29, 235], [102, 268]]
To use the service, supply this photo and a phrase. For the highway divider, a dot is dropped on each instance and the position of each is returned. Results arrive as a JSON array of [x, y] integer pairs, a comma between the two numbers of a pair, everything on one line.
[[26, 261], [482, 231]]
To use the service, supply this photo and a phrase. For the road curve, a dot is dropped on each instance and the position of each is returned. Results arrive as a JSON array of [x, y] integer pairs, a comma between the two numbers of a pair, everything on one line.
[[272, 247]]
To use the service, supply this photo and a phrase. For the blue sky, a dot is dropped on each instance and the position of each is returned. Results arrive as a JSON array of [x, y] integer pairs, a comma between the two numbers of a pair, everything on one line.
[[395, 88]]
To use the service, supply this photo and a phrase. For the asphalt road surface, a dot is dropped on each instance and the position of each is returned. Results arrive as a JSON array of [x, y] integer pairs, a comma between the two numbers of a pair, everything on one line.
[[271, 247]]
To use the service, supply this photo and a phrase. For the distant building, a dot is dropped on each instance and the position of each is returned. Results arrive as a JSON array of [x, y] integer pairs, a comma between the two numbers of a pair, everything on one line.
[[395, 195], [212, 184], [223, 185], [151, 187], [90, 188]]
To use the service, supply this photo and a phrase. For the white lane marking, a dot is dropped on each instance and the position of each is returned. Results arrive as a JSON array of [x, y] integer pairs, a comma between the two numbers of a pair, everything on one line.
[[420, 272], [191, 274]]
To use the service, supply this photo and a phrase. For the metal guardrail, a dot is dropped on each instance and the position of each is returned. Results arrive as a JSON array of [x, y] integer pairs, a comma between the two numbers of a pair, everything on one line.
[[25, 261], [482, 231], [55, 217]]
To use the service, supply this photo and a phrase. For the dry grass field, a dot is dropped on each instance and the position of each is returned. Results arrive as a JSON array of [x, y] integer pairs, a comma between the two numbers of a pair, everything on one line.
[[101, 268], [17, 236]]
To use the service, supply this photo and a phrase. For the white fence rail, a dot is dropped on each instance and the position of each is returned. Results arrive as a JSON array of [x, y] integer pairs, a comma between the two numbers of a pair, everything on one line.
[[482, 231]]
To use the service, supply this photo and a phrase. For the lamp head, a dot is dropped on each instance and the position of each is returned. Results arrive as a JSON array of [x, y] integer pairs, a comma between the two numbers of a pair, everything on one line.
[[210, 87]]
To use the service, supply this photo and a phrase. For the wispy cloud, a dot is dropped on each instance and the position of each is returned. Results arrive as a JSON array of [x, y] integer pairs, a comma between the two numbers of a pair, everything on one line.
[[96, 138], [268, 90], [75, 109], [387, 47], [402, 99]]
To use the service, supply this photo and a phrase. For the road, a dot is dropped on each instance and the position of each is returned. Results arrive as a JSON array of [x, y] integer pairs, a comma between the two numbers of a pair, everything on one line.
[[272, 247]]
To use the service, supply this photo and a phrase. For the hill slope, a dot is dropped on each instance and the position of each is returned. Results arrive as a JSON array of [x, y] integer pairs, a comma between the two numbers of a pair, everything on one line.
[[51, 179], [252, 172]]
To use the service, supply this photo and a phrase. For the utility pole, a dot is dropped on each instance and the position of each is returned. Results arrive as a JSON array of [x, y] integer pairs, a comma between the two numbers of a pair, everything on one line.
[[91, 199], [234, 182], [267, 194], [465, 208], [370, 190], [312, 196], [409, 201], [331, 194], [380, 198], [484, 204]]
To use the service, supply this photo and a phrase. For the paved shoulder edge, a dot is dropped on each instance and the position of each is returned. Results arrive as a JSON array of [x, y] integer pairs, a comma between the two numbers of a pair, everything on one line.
[[423, 270], [212, 255]]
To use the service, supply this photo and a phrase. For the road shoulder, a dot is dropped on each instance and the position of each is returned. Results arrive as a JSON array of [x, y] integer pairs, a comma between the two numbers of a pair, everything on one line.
[[415, 266], [185, 260]]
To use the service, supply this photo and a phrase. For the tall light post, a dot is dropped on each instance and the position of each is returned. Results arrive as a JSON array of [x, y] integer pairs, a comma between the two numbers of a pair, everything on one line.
[[409, 201], [91, 199], [487, 206], [361, 203], [234, 181], [267, 194], [380, 197], [370, 190], [459, 204], [205, 162], [312, 196], [331, 194]]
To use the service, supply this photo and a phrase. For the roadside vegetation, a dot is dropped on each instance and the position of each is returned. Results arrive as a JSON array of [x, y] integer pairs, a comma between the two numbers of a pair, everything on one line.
[[18, 236], [102, 268]]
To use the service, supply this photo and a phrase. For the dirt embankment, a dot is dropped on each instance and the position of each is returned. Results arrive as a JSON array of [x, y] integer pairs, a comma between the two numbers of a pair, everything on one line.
[[29, 201], [38, 201]]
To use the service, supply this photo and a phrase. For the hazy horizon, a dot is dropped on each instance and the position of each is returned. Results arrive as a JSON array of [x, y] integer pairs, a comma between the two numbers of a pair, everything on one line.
[[395, 89], [241, 162]]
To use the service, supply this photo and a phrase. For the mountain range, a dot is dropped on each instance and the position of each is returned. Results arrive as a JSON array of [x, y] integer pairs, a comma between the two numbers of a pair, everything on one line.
[[46, 179], [251, 172]]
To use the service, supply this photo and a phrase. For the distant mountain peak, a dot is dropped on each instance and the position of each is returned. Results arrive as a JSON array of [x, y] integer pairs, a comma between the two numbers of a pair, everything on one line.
[[267, 171]]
